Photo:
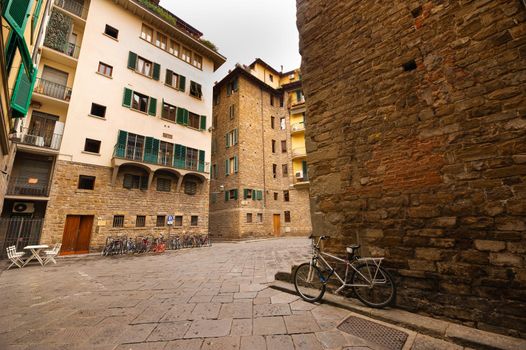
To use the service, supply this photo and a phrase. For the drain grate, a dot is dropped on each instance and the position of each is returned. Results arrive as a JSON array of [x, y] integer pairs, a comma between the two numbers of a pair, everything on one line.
[[387, 337]]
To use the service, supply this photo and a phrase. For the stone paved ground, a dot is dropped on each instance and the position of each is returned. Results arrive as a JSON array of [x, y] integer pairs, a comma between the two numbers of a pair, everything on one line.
[[205, 298]]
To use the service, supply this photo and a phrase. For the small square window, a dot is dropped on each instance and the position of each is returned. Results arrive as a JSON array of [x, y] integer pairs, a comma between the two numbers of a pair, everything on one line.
[[194, 220], [161, 221], [164, 185], [141, 221], [195, 90], [190, 187], [287, 216], [86, 182], [286, 196], [92, 146], [118, 221], [105, 69], [98, 110], [260, 217], [249, 217], [110, 31], [178, 220]]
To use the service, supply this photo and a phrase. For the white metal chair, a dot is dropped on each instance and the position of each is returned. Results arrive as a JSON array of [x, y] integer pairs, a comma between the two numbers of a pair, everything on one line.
[[52, 253], [15, 257]]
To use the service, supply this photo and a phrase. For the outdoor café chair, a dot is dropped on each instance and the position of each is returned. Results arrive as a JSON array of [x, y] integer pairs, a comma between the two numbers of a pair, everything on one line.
[[52, 253], [15, 257]]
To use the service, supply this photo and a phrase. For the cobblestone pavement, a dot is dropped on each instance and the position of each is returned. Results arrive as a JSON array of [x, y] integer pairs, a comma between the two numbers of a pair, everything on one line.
[[204, 298]]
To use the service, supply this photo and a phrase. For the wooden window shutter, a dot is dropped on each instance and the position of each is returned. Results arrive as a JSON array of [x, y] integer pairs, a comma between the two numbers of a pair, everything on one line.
[[22, 92], [132, 60], [169, 77], [126, 101], [152, 108], [203, 122], [156, 71], [227, 140], [235, 136], [182, 83], [120, 148], [227, 167], [235, 164]]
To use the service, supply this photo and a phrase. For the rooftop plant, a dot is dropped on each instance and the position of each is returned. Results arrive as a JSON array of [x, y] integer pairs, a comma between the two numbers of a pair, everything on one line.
[[159, 11], [209, 44]]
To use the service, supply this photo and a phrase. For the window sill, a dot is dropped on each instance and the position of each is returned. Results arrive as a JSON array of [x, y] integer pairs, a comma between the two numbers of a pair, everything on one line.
[[139, 111], [168, 120], [196, 97], [104, 75], [91, 153], [109, 36], [96, 117], [173, 87], [144, 75], [80, 190]]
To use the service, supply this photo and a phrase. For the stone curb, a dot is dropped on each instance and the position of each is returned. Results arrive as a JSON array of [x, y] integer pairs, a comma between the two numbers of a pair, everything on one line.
[[452, 332]]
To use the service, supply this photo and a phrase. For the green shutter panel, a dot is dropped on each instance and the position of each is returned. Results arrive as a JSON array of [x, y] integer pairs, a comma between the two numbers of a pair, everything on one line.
[[180, 115], [151, 150], [254, 194], [156, 71], [227, 167], [132, 60], [16, 12], [36, 14], [203, 122], [182, 83], [304, 169], [185, 116], [168, 79], [120, 148], [226, 195], [126, 101], [235, 193], [235, 164], [245, 193], [260, 195], [152, 108], [227, 140], [201, 163], [22, 92], [235, 136]]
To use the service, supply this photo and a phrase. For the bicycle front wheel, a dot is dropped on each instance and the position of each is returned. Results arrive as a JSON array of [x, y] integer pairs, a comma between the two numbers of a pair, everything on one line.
[[373, 286], [308, 283]]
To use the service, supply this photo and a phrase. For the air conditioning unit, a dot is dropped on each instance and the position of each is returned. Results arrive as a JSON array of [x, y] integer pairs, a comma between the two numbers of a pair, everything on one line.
[[292, 76], [299, 174], [23, 207]]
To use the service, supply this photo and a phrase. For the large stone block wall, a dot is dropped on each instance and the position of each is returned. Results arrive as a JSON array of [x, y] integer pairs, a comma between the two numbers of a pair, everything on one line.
[[106, 200], [426, 166]]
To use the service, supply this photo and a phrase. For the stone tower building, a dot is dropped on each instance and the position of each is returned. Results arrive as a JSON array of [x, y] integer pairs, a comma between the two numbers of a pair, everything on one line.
[[417, 147], [256, 189]]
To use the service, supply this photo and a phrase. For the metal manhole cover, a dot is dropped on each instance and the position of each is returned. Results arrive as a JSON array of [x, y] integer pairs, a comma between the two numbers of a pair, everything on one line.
[[386, 337]]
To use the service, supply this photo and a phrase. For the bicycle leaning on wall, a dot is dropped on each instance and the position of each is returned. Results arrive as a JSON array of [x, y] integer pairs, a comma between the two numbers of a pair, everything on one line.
[[371, 283]]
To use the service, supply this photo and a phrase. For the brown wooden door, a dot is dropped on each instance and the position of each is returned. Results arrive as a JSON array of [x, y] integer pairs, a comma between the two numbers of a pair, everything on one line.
[[277, 225], [77, 234]]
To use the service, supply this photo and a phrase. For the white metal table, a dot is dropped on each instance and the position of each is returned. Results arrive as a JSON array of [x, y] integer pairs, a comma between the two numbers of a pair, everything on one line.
[[35, 253]]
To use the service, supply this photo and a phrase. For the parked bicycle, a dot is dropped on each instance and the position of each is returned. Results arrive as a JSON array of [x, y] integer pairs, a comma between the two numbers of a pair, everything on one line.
[[144, 244], [114, 245], [158, 246], [371, 283]]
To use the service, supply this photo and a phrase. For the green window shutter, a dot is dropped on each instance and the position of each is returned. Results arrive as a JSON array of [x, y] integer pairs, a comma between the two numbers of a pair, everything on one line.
[[126, 101], [16, 13], [260, 195], [245, 193], [36, 14], [235, 193], [254, 194], [120, 148], [235, 136], [226, 196], [227, 140], [151, 150], [180, 156], [304, 168], [201, 163], [182, 83], [185, 116], [203, 122], [227, 167], [152, 108], [180, 115], [168, 78], [235, 164], [22, 92], [132, 60], [156, 71]]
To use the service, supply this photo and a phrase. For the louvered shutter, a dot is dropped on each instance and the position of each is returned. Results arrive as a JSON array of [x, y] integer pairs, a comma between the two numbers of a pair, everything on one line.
[[120, 148], [132, 60], [152, 108], [235, 164], [201, 163], [182, 83], [22, 92], [203, 122], [126, 101], [156, 71], [227, 167], [169, 76], [16, 13]]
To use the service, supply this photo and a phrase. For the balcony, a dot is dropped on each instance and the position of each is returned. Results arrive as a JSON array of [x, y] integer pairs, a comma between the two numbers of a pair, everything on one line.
[[27, 186], [39, 138], [53, 90], [299, 152], [67, 54], [297, 127], [73, 7], [137, 154], [302, 180]]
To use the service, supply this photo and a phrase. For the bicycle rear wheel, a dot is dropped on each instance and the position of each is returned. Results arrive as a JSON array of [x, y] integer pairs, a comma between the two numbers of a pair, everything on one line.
[[308, 284], [374, 286]]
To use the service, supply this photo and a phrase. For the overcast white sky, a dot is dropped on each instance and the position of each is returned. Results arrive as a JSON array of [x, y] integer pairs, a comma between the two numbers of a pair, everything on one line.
[[245, 29]]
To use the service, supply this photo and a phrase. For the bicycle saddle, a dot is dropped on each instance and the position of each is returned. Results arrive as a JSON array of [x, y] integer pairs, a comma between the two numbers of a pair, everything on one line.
[[350, 249]]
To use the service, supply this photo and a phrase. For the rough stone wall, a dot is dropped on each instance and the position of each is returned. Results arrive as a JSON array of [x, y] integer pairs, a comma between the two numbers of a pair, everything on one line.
[[426, 166], [106, 200]]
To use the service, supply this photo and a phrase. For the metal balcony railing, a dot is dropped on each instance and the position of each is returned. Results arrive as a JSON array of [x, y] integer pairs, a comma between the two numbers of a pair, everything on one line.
[[75, 7], [39, 138], [298, 127], [299, 152], [27, 186], [161, 158], [68, 49], [51, 89]]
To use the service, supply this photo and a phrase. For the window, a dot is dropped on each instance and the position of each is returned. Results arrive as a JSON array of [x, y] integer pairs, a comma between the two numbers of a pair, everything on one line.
[[271, 78], [194, 220], [190, 187], [231, 194], [192, 156], [287, 216], [282, 123], [178, 220], [166, 150], [161, 41], [197, 61], [174, 48], [110, 31], [249, 217], [164, 185], [286, 196], [284, 170], [232, 111], [273, 146], [281, 101], [147, 33], [139, 102], [232, 165], [168, 112], [274, 170], [232, 86], [216, 99], [248, 194], [271, 100], [275, 196], [161, 220], [231, 138], [260, 217], [272, 121], [135, 182], [186, 55], [144, 67], [140, 221], [284, 146], [105, 69], [194, 121], [195, 90], [92, 146], [118, 221], [98, 110], [86, 182]]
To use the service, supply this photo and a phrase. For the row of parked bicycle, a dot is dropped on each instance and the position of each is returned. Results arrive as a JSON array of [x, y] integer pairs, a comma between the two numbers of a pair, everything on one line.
[[145, 244]]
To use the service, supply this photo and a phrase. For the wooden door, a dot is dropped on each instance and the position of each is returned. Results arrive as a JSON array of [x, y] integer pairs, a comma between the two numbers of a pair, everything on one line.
[[277, 225], [84, 237], [77, 234]]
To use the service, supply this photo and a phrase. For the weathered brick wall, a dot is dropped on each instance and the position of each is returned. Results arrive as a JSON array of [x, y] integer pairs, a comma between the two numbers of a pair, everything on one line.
[[424, 166]]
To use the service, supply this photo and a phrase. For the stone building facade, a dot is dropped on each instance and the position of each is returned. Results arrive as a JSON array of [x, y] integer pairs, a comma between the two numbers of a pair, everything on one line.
[[417, 147], [252, 191]]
